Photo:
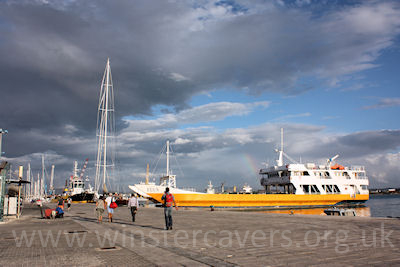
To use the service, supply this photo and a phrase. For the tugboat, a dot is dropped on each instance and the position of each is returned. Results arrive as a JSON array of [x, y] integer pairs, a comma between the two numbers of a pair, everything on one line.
[[77, 190]]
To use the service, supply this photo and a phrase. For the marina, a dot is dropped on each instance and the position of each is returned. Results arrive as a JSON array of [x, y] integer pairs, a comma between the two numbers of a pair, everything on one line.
[[275, 123]]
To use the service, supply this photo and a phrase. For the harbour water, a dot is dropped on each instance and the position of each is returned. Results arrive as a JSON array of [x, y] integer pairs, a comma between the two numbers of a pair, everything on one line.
[[384, 205], [376, 206]]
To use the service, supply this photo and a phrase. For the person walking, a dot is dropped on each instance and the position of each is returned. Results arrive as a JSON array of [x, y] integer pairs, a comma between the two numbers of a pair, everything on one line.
[[110, 199], [40, 205], [69, 201], [169, 202], [133, 205], [100, 207]]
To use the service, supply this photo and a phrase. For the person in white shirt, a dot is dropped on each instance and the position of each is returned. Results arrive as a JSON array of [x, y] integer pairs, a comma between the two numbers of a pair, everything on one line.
[[40, 205], [108, 201], [69, 201], [133, 205]]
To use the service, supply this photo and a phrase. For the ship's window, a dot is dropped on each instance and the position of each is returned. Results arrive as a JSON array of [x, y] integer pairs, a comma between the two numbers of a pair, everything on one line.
[[283, 173], [306, 173], [306, 188], [336, 189], [314, 189], [327, 174], [327, 188], [318, 174], [364, 187]]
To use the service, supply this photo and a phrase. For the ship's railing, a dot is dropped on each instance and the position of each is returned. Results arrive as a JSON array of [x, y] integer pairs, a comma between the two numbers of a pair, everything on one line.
[[357, 168]]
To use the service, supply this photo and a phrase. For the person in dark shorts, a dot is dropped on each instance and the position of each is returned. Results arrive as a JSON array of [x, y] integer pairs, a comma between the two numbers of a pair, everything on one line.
[[169, 202]]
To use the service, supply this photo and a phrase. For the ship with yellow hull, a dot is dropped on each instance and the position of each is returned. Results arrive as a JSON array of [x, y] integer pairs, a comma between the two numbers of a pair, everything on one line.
[[261, 200], [292, 185]]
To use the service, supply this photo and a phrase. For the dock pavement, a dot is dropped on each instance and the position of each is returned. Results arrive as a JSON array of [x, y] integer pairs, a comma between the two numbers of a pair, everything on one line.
[[200, 237]]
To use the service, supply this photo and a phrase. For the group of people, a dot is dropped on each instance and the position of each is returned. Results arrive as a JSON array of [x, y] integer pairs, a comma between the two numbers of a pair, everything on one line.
[[59, 211], [105, 203], [108, 203]]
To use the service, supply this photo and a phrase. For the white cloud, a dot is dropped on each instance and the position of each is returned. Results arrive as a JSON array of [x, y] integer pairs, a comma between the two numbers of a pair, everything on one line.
[[385, 103], [384, 169], [181, 141], [200, 114], [178, 77]]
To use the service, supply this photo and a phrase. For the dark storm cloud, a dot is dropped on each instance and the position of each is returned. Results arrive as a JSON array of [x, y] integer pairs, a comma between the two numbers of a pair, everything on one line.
[[163, 52]]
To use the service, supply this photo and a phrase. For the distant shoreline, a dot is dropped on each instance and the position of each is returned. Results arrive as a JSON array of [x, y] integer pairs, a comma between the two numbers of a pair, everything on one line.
[[384, 193]]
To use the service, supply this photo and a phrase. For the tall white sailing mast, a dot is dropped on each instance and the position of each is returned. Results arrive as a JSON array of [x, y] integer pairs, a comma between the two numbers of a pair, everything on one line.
[[105, 133], [42, 186], [52, 180], [169, 179]]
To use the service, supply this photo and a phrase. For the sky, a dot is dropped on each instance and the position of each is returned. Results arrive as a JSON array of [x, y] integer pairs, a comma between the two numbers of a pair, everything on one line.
[[219, 79]]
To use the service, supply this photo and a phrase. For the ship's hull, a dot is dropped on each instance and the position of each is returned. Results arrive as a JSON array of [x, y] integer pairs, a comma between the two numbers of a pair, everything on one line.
[[196, 199], [262, 200], [84, 197]]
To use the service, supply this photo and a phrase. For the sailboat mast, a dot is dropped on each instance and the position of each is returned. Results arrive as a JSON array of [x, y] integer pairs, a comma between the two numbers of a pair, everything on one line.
[[147, 174], [38, 186], [105, 130], [52, 180], [105, 123], [167, 157], [42, 185]]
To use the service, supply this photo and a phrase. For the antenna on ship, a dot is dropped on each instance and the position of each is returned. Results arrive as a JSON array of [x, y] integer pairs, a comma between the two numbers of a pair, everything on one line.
[[105, 132], [281, 153], [280, 160]]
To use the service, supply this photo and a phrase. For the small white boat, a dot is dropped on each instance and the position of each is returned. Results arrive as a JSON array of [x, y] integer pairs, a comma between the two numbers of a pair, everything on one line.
[[340, 212]]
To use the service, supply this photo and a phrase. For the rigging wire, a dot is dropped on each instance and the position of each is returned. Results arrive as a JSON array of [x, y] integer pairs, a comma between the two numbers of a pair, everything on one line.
[[177, 163], [159, 157]]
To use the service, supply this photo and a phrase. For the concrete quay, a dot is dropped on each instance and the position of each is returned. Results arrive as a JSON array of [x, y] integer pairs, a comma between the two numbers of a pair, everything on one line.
[[199, 238]]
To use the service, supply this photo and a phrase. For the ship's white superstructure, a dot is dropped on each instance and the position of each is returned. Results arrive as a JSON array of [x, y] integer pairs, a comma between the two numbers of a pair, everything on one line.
[[310, 178]]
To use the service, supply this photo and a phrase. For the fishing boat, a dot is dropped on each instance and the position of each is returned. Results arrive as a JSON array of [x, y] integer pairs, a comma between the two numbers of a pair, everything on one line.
[[286, 185]]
